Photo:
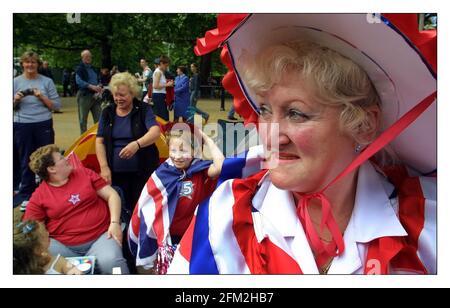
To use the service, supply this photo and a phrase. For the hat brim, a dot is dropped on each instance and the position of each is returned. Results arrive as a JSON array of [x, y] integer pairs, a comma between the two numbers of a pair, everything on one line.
[[398, 71]]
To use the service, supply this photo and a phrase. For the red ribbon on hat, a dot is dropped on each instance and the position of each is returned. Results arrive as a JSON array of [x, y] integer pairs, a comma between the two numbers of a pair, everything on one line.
[[336, 246]]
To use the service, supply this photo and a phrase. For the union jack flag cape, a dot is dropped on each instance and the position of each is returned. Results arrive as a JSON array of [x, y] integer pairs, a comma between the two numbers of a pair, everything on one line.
[[148, 233], [230, 235]]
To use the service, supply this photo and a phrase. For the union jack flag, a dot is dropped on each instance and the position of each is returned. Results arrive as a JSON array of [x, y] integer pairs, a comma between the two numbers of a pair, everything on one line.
[[148, 235]]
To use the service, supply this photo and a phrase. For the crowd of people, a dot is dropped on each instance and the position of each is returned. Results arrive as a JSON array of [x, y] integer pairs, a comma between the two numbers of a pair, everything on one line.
[[82, 212], [308, 201]]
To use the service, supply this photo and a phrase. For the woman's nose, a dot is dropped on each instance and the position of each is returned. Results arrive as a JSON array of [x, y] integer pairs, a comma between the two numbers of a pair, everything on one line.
[[274, 135]]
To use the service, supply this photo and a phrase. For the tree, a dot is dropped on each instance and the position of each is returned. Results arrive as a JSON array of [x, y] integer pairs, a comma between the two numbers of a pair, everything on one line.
[[115, 39]]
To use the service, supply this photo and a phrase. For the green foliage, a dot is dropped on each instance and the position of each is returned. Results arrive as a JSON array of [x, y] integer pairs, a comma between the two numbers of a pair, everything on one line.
[[114, 39]]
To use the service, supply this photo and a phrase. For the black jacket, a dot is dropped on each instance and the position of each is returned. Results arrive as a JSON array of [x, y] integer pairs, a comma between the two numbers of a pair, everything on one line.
[[148, 156]]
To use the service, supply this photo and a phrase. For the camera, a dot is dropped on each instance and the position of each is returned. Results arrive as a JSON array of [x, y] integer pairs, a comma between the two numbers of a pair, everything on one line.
[[27, 92]]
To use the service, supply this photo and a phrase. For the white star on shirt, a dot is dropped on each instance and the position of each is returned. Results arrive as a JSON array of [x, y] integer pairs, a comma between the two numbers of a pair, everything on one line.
[[74, 199]]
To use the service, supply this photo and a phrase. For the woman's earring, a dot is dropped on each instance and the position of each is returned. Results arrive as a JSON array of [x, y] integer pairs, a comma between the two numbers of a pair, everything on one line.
[[358, 148]]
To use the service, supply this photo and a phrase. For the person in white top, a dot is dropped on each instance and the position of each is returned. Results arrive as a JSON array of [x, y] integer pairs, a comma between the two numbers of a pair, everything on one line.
[[31, 255], [146, 78], [159, 88]]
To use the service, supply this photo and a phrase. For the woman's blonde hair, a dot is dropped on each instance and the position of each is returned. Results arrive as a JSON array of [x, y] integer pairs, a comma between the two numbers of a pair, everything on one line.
[[30, 55], [335, 80], [41, 159], [26, 246], [125, 79]]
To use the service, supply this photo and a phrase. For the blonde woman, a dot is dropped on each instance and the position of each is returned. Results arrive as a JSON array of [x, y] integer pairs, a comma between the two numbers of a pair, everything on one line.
[[126, 138], [321, 83]]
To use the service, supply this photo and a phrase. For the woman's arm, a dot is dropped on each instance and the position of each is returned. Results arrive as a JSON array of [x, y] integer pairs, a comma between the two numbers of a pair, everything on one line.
[[108, 194], [100, 150], [149, 138], [52, 101]]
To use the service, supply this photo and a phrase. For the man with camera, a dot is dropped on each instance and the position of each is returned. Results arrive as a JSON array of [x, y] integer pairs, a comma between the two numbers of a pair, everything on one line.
[[87, 82], [35, 97]]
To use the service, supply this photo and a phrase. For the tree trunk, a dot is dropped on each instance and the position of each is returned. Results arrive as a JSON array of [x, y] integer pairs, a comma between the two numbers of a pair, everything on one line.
[[205, 70], [106, 54], [106, 44]]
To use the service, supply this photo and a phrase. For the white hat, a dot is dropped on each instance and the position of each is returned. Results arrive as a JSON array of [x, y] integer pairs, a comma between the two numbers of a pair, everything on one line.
[[397, 69]]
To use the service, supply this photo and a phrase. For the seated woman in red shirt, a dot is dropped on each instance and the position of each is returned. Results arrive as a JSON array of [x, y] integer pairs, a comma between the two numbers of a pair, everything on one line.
[[80, 210]]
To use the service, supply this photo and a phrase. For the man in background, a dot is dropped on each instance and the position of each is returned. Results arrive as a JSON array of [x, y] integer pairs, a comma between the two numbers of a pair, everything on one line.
[[87, 82]]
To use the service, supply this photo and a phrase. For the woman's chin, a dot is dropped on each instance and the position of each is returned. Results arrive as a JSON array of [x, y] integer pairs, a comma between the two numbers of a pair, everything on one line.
[[282, 179]]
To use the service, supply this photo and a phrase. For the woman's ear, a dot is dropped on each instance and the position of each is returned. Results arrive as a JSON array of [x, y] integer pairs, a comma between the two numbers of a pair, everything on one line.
[[369, 129]]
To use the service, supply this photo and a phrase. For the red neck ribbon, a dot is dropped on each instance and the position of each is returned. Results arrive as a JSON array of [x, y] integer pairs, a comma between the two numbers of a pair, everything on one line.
[[336, 246]]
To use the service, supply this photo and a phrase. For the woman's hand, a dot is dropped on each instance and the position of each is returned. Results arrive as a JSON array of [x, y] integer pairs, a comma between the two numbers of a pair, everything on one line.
[[18, 97], [169, 83], [37, 93], [105, 173], [115, 231], [129, 151]]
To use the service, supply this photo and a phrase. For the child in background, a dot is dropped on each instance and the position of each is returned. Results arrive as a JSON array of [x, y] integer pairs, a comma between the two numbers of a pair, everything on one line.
[[31, 255], [187, 181]]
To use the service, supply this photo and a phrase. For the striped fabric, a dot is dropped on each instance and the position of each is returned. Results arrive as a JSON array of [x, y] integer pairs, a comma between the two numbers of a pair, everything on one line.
[[149, 228], [240, 231]]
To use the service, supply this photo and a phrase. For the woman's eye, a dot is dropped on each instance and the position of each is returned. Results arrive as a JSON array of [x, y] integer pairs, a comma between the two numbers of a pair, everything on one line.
[[264, 111], [296, 115]]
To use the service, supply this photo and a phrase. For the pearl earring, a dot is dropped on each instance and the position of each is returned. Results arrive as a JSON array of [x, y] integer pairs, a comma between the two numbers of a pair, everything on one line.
[[358, 148]]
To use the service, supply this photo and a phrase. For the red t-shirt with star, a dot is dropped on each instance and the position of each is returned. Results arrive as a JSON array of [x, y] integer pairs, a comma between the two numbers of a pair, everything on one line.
[[73, 213], [193, 191]]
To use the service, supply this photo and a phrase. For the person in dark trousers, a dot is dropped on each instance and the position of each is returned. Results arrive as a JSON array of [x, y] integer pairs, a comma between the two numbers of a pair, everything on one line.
[[160, 84], [194, 88], [231, 114], [73, 84], [66, 83], [87, 82], [126, 137], [35, 97]]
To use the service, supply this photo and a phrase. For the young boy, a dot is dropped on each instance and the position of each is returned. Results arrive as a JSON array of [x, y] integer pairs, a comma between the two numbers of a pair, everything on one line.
[[170, 197]]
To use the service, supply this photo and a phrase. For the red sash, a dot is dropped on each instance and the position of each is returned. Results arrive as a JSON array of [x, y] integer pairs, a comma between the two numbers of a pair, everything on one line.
[[400, 252], [264, 257], [383, 253]]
